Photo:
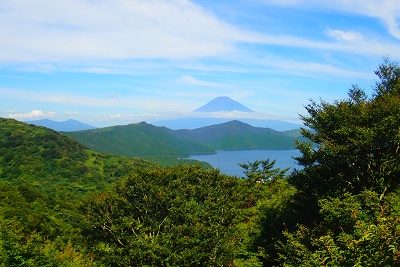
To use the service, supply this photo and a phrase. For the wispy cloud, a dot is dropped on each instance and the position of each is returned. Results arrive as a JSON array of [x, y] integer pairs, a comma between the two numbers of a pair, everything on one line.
[[54, 97], [91, 31], [34, 114], [347, 36], [313, 69], [133, 103], [359, 46], [48, 30], [71, 113], [188, 79], [387, 11]]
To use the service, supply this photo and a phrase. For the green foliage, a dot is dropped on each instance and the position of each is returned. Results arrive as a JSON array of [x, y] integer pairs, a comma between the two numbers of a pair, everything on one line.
[[358, 141], [173, 161], [356, 231], [262, 170], [52, 163], [236, 135], [348, 191], [277, 211], [43, 177], [139, 140], [20, 249], [181, 216]]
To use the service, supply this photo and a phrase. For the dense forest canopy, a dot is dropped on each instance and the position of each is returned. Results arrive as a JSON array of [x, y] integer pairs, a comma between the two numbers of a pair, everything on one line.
[[65, 205]]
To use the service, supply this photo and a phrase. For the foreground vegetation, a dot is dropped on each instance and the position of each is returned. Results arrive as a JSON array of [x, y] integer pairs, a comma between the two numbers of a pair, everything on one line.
[[64, 205]]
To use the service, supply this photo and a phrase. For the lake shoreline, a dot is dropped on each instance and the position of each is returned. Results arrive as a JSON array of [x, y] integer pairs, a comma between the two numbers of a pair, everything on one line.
[[227, 161]]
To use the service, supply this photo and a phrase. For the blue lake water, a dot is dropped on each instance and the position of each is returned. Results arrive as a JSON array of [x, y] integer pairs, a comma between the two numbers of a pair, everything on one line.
[[227, 161]]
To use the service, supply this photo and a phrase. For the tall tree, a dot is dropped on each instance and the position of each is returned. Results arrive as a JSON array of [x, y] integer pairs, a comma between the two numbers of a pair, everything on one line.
[[354, 144], [348, 191]]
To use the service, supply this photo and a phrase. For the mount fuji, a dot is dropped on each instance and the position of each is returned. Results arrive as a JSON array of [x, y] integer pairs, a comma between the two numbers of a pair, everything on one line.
[[223, 103], [207, 115]]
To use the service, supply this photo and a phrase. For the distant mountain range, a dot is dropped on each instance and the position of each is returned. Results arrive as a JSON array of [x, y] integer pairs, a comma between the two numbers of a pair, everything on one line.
[[193, 123], [144, 140], [219, 105], [62, 126]]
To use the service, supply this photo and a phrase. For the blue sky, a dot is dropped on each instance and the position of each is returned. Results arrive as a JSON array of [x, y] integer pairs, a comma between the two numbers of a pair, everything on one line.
[[108, 62]]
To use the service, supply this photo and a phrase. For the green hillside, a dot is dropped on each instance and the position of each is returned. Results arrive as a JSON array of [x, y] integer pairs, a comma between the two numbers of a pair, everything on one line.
[[138, 140], [42, 158], [294, 133], [159, 143], [64, 205], [236, 135], [43, 177]]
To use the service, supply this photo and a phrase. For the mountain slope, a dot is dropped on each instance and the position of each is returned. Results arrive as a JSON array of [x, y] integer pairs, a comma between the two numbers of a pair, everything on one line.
[[147, 141], [139, 140], [53, 162], [43, 177], [194, 123], [62, 126], [214, 113], [223, 103], [236, 135]]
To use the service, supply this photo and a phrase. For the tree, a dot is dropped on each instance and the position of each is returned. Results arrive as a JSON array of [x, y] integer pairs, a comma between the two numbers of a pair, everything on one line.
[[262, 170], [18, 248], [354, 144], [348, 191], [180, 216], [356, 231]]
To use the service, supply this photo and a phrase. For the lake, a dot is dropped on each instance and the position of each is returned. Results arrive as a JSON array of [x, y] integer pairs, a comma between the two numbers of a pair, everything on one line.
[[227, 161]]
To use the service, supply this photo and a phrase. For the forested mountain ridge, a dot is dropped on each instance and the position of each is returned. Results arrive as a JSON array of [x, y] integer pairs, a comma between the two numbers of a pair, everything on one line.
[[43, 177], [198, 122], [143, 140], [44, 157], [138, 140], [236, 135]]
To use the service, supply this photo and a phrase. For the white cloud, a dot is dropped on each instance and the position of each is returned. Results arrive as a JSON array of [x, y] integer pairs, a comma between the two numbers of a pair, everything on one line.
[[71, 113], [90, 33], [388, 11], [347, 36], [34, 114], [314, 69], [358, 47], [164, 102], [63, 30], [188, 79]]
